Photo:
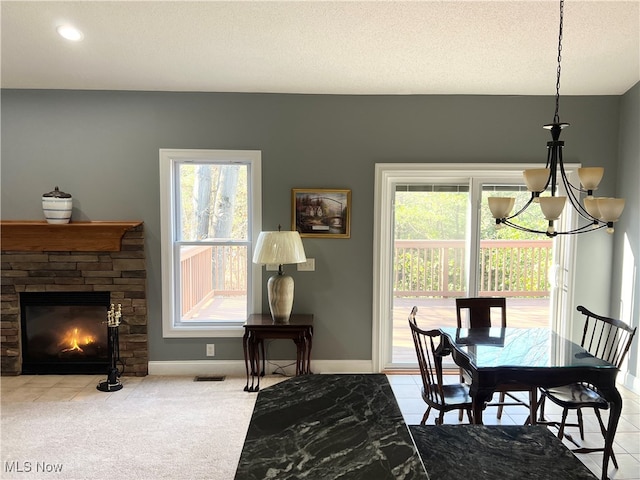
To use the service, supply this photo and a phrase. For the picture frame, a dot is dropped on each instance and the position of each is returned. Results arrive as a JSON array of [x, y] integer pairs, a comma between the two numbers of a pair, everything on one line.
[[321, 212]]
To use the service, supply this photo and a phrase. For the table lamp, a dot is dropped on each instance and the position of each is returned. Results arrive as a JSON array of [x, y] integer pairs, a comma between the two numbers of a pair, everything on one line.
[[279, 248]]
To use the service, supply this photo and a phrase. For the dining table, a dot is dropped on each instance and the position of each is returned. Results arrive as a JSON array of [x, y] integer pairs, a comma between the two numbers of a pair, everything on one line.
[[536, 357]]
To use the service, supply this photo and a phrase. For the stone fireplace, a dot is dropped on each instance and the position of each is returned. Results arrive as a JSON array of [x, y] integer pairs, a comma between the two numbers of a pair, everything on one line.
[[93, 258]]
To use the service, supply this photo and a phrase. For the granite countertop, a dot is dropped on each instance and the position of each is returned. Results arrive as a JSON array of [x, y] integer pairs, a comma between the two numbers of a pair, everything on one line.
[[329, 427], [453, 452]]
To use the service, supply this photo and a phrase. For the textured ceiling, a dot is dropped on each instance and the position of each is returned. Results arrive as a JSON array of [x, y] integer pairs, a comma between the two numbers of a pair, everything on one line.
[[382, 47]]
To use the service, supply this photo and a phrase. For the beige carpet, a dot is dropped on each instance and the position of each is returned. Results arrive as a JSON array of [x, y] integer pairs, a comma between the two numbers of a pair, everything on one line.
[[155, 428]]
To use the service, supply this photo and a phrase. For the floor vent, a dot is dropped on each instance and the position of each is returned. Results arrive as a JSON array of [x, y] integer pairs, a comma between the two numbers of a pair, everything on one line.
[[209, 378]]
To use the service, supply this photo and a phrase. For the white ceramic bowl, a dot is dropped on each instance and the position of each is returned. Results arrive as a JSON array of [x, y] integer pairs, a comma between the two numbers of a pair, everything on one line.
[[57, 210]]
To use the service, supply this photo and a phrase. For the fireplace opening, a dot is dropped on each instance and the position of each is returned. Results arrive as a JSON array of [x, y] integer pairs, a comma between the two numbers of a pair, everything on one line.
[[64, 332]]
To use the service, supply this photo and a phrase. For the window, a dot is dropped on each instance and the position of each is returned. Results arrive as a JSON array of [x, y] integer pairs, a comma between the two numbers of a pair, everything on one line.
[[210, 215]]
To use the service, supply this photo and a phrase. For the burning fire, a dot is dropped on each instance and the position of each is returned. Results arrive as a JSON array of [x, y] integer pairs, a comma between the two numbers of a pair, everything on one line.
[[74, 339]]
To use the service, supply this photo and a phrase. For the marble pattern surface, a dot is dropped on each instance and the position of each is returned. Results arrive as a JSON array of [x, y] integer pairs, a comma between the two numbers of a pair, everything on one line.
[[452, 452], [329, 427]]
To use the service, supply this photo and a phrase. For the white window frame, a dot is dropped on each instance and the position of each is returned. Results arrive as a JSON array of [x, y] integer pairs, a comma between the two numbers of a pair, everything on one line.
[[171, 327], [387, 176]]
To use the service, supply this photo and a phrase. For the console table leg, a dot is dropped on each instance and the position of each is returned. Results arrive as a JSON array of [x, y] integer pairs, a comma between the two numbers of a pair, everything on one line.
[[256, 368], [263, 357], [308, 344], [245, 339], [299, 341]]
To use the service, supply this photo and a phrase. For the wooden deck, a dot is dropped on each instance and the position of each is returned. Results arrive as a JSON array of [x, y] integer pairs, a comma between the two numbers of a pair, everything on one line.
[[434, 313]]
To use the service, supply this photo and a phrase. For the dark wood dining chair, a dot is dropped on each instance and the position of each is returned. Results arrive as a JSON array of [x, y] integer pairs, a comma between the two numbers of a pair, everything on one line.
[[479, 312], [608, 339], [436, 394]]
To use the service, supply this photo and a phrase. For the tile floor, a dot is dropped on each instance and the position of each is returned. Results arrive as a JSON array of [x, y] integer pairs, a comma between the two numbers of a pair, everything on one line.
[[71, 388], [627, 440]]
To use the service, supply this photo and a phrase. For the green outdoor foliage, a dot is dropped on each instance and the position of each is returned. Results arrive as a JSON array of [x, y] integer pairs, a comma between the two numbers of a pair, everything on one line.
[[213, 201], [440, 270]]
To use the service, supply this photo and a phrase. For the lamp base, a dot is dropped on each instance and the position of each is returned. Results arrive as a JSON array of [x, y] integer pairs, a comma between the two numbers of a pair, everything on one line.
[[280, 292]]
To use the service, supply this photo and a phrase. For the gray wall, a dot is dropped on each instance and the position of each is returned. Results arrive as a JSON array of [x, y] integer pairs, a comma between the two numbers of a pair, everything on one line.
[[626, 257], [102, 147]]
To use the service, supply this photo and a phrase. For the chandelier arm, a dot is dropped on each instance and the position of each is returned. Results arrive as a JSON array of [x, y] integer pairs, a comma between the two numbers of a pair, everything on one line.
[[583, 229], [575, 231], [526, 205], [521, 228], [573, 199], [548, 165]]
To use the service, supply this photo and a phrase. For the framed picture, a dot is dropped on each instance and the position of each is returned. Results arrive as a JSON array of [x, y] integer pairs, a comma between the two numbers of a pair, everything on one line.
[[321, 212]]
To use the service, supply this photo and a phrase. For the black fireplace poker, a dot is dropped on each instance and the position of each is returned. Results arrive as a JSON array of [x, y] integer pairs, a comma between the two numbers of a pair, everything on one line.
[[112, 383]]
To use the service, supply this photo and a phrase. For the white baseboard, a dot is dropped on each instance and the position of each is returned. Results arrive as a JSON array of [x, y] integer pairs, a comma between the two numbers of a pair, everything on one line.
[[237, 367], [630, 382]]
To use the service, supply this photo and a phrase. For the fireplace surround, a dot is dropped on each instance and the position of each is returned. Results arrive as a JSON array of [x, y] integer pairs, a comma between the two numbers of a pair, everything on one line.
[[106, 257]]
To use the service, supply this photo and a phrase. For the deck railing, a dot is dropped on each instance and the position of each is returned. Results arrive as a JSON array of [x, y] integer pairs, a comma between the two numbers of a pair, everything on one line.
[[436, 268], [432, 268], [210, 269]]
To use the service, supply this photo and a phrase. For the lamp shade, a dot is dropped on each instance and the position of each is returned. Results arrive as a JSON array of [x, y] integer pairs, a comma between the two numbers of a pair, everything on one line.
[[552, 207], [279, 248], [590, 177], [536, 178], [501, 206], [591, 206], [610, 208]]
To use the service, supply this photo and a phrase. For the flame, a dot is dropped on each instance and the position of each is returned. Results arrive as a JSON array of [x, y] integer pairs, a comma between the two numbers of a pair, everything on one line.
[[74, 339]]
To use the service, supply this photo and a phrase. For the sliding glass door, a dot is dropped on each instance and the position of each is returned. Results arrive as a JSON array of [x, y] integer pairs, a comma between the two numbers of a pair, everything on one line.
[[430, 258], [442, 243]]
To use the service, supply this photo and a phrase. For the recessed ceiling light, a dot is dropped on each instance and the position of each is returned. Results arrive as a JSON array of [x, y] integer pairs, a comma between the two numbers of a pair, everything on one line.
[[70, 33]]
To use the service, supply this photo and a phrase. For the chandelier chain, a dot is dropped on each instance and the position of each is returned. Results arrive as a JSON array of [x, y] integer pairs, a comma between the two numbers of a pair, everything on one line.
[[556, 117]]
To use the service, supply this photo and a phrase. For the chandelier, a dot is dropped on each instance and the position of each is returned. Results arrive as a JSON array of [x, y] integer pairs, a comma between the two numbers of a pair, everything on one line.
[[599, 212]]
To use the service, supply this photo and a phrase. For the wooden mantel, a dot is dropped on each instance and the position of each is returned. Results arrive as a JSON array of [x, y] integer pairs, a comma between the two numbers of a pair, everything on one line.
[[40, 236]]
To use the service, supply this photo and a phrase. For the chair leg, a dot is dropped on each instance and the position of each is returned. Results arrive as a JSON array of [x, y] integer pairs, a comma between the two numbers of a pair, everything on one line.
[[580, 424], [500, 407], [470, 417], [564, 419], [541, 408], [533, 407], [425, 416], [440, 420], [460, 413], [604, 434]]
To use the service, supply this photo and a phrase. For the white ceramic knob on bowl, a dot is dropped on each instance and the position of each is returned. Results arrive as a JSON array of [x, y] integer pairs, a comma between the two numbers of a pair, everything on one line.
[[57, 206]]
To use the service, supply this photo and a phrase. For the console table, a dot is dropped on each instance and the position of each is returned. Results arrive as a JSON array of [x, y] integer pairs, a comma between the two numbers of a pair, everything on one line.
[[260, 327]]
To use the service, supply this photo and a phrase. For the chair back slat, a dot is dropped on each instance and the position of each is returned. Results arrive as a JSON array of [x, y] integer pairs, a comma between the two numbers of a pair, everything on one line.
[[426, 343], [477, 311], [606, 338]]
